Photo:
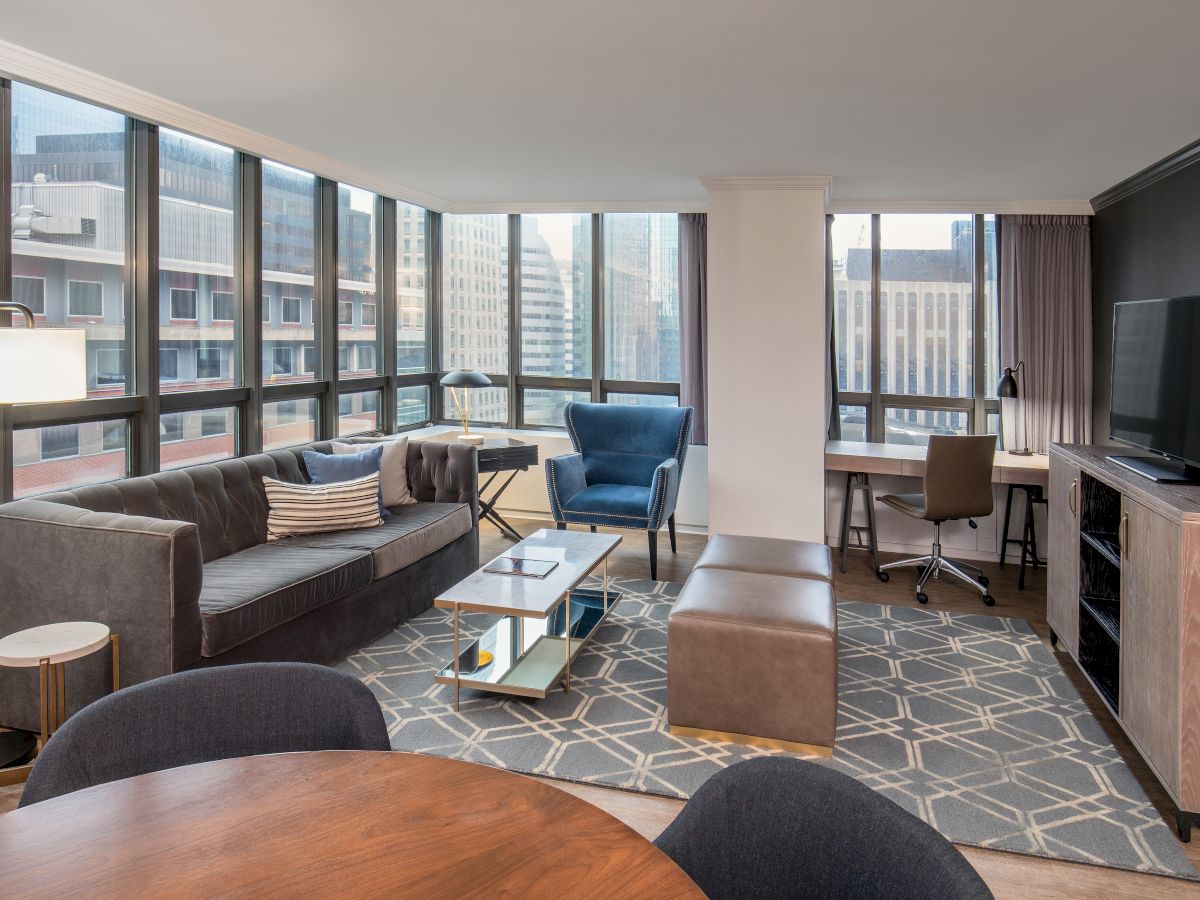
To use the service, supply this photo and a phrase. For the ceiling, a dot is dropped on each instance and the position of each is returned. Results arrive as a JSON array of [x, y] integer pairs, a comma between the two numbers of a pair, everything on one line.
[[544, 101]]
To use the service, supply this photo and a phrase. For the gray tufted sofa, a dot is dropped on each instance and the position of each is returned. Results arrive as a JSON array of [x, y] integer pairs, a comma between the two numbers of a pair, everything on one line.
[[178, 565]]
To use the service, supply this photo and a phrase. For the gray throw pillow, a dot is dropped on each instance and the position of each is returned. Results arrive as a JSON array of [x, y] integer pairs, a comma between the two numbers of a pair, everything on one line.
[[393, 468]]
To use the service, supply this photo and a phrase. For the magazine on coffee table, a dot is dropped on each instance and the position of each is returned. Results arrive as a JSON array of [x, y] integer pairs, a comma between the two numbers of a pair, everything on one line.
[[530, 568]]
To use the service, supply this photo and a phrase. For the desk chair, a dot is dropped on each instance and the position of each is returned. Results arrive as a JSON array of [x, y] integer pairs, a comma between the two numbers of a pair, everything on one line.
[[958, 485]]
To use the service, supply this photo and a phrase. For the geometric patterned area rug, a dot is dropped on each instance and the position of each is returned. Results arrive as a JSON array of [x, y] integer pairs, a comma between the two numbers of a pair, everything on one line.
[[967, 721]]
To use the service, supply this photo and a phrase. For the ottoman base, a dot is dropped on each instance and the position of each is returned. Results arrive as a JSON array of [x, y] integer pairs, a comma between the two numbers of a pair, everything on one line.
[[730, 737]]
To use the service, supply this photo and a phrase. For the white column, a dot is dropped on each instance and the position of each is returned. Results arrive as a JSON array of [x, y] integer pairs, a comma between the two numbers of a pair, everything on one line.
[[767, 345]]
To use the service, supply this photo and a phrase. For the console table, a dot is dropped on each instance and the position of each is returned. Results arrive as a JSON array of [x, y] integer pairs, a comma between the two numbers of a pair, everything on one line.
[[497, 455], [1123, 599]]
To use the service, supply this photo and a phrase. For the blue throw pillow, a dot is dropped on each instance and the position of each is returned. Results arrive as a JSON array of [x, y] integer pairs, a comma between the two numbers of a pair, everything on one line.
[[328, 468]]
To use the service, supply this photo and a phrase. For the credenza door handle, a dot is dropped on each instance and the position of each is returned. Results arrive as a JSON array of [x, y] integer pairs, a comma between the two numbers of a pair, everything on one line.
[[1072, 492], [1123, 535]]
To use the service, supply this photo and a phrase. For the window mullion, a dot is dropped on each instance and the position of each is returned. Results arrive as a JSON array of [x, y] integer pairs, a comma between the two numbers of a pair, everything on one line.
[[876, 430]]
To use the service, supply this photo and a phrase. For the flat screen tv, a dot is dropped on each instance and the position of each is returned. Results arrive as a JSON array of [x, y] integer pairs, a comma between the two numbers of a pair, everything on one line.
[[1155, 398]]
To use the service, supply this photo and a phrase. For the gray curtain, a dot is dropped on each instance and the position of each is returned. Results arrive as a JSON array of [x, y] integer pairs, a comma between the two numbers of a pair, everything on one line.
[[693, 320], [834, 429], [1046, 322]]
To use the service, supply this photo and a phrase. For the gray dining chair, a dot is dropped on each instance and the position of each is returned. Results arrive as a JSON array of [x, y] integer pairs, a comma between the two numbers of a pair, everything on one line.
[[782, 828], [204, 715]]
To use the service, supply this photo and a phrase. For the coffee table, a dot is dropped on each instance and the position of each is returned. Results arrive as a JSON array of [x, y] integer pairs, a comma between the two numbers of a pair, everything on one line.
[[544, 624]]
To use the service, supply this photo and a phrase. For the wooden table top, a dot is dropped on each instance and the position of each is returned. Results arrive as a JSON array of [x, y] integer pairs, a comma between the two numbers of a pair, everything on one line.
[[346, 824], [909, 459]]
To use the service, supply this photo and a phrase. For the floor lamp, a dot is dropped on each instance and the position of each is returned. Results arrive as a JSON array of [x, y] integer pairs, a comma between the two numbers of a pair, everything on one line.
[[1010, 397], [37, 365]]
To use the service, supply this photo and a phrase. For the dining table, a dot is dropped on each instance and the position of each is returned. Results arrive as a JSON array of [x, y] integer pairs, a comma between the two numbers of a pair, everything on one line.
[[329, 824]]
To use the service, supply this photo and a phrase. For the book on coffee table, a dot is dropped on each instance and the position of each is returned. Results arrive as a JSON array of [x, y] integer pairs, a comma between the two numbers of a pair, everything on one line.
[[530, 568]]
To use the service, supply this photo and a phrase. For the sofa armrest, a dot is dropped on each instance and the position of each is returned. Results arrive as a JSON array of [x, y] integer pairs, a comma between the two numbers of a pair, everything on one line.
[[564, 479], [139, 576], [439, 472], [664, 492]]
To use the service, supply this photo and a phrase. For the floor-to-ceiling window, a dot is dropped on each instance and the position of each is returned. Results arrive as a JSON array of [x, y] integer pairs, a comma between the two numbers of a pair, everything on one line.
[[68, 262], [916, 354]]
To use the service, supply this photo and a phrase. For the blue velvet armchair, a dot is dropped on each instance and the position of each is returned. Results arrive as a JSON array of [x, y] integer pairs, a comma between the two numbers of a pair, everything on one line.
[[625, 470]]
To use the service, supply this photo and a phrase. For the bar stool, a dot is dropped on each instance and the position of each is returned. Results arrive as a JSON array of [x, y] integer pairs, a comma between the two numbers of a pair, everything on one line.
[[858, 482], [1028, 539]]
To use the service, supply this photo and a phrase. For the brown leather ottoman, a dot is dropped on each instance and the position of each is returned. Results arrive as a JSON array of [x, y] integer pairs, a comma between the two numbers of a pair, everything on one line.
[[752, 658], [767, 556]]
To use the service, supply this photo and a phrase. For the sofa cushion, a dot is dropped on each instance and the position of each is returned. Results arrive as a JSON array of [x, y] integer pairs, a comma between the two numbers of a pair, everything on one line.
[[250, 592], [412, 533], [623, 504]]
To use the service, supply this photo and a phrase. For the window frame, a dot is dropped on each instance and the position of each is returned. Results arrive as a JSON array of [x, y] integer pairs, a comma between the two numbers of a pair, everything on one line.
[[978, 406], [195, 303], [71, 314]]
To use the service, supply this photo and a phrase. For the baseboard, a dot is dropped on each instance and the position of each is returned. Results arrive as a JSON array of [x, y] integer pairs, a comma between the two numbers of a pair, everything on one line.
[[922, 550]]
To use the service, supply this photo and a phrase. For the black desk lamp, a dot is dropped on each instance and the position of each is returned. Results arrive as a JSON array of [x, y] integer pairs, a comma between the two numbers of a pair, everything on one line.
[[1007, 390], [465, 378]]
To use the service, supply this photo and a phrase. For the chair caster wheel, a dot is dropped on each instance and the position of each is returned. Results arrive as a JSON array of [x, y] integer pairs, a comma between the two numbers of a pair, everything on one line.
[[983, 580], [922, 598], [989, 600], [883, 576]]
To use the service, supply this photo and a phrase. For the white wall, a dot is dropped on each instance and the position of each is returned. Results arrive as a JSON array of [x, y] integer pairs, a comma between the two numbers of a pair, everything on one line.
[[766, 356], [526, 497]]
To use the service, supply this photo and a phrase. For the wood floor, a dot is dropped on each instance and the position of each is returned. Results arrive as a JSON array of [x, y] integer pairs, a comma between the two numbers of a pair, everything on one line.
[[1008, 875]]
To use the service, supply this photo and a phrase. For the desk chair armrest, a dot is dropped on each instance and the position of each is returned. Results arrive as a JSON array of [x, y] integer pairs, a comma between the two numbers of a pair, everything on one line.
[[664, 492], [564, 479]]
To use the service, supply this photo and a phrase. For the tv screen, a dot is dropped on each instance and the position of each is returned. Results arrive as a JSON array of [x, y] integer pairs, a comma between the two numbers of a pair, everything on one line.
[[1155, 398]]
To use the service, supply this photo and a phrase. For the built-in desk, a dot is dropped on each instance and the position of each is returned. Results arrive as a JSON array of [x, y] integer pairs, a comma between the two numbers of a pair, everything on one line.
[[860, 460], [908, 459]]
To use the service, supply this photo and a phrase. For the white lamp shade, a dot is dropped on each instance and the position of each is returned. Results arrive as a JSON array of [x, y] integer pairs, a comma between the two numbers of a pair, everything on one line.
[[42, 365]]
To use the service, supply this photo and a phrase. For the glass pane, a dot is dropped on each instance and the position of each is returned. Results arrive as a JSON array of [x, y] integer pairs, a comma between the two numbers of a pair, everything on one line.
[[556, 295], [914, 426], [197, 436], [358, 412], [412, 294], [643, 400], [993, 427], [927, 277], [488, 405], [196, 237], [475, 293], [289, 255], [991, 296], [356, 311], [546, 407], [68, 225], [641, 293], [286, 423], [851, 253], [412, 405], [854, 422], [58, 457]]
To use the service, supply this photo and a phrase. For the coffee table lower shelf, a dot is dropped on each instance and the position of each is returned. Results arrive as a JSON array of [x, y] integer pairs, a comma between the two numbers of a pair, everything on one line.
[[528, 654]]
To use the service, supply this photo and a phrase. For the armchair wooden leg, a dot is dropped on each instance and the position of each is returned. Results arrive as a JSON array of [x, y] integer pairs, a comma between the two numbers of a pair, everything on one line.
[[653, 535], [671, 530], [561, 526]]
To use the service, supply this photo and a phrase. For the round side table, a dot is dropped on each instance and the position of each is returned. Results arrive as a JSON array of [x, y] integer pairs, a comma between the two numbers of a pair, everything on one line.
[[50, 648]]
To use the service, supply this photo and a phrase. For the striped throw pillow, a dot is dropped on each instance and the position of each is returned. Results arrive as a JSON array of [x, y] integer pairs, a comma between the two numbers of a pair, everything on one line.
[[317, 508]]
